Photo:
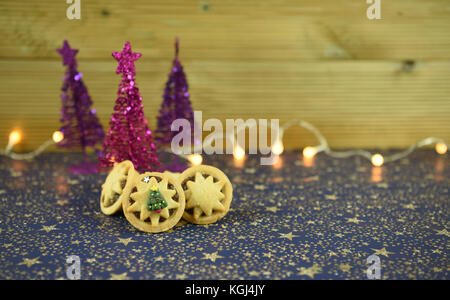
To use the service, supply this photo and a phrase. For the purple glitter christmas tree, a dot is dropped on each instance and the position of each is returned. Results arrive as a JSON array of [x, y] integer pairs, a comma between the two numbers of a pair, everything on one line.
[[129, 137], [176, 103], [80, 125]]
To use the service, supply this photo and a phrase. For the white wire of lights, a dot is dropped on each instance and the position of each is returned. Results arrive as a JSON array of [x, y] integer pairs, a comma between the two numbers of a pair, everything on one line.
[[16, 136], [277, 148], [376, 159]]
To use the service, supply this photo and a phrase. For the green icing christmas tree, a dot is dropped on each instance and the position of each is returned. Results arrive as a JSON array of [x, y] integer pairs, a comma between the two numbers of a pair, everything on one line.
[[156, 200]]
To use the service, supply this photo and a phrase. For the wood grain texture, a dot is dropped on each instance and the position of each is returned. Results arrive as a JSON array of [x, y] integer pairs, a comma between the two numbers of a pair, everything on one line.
[[382, 83]]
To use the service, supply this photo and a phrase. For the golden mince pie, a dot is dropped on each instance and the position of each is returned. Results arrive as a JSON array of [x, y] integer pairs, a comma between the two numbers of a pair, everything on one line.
[[118, 184], [175, 175], [156, 203], [208, 194]]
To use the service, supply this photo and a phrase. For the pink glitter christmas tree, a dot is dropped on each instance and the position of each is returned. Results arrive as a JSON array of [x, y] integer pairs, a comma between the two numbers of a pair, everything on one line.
[[129, 137]]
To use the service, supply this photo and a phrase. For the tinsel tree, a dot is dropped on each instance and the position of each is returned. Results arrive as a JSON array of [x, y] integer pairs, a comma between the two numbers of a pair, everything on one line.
[[129, 137], [80, 125], [176, 103]]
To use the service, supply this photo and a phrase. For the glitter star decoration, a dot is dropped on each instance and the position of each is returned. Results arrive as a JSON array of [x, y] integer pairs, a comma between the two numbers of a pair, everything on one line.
[[68, 54], [204, 195], [141, 197], [129, 136], [126, 59]]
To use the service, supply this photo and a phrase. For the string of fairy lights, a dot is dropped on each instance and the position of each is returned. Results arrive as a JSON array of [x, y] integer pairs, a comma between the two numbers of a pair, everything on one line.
[[277, 148], [15, 137], [377, 159]]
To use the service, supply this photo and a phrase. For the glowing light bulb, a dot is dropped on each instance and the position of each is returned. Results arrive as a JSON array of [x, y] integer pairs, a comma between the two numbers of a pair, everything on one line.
[[376, 174], [15, 137], [195, 159], [309, 152], [278, 147], [377, 160], [278, 163], [441, 148], [238, 153], [57, 136]]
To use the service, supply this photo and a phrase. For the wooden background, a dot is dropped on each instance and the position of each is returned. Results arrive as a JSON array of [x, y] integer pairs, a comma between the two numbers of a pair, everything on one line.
[[363, 83]]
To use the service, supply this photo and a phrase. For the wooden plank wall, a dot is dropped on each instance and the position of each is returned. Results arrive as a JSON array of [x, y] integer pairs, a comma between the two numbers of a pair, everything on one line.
[[363, 83]]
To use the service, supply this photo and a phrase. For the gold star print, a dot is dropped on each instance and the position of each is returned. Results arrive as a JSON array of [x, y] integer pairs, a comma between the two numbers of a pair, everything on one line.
[[260, 187], [159, 258], [331, 197], [272, 209], [204, 195], [345, 267], [30, 261], [443, 232], [410, 206], [346, 251], [62, 202], [122, 276], [311, 271], [332, 253], [125, 241], [49, 228], [212, 256], [141, 198], [383, 252], [288, 236], [354, 220]]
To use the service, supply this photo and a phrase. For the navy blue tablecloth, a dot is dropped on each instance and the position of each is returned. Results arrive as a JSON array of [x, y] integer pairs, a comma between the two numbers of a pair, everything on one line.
[[297, 220]]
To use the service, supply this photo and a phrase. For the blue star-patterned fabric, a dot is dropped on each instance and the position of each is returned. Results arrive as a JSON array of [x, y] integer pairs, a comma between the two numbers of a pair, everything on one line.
[[298, 219]]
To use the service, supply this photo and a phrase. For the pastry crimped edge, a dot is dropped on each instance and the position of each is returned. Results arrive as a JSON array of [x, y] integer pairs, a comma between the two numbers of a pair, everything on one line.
[[146, 226], [117, 205], [227, 190]]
